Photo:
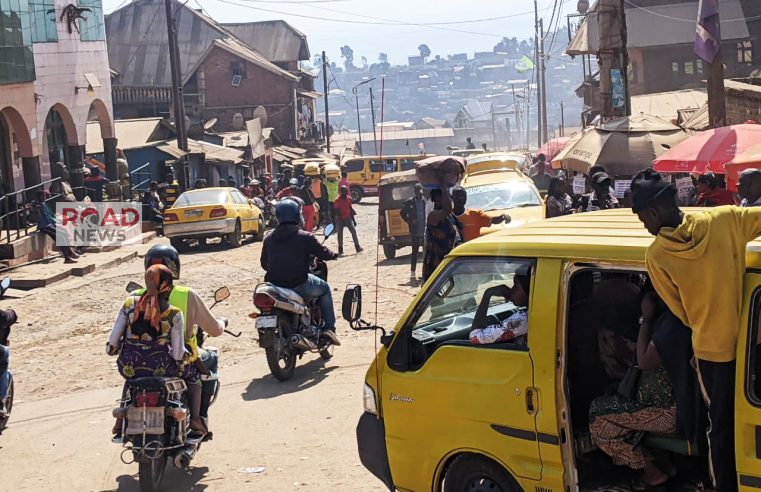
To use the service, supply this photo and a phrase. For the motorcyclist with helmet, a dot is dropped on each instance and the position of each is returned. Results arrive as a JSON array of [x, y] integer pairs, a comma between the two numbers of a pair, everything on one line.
[[286, 256], [196, 314]]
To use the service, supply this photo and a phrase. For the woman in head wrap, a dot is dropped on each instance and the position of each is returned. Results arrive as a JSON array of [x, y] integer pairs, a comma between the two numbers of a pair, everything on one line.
[[150, 333]]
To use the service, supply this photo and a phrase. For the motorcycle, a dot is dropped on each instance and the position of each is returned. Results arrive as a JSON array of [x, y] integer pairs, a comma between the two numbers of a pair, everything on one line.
[[8, 402], [155, 414], [290, 326]]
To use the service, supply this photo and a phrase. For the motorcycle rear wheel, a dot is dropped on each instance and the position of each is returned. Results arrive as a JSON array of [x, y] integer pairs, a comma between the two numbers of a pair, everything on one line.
[[282, 367], [151, 473]]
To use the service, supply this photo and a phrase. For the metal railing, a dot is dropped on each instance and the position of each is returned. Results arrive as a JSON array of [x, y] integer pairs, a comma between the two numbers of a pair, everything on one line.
[[16, 211]]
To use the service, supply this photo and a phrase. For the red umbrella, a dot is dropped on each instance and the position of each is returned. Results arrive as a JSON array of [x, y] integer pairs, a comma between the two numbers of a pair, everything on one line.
[[710, 150], [552, 146]]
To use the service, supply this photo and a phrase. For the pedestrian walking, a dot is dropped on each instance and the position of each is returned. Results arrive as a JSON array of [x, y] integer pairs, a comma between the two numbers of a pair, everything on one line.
[[169, 190], [600, 198], [413, 213], [331, 187], [710, 194], [441, 233], [471, 220], [749, 188], [540, 177], [558, 201], [48, 225], [306, 195], [697, 264], [345, 218], [95, 183]]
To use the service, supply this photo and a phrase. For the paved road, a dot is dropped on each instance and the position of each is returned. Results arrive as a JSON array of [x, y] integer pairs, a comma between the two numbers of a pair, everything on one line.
[[301, 431]]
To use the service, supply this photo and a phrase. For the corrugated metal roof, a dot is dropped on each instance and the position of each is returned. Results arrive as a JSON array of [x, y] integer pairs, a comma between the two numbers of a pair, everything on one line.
[[214, 154], [138, 50], [666, 105], [234, 139], [132, 134], [276, 39], [655, 26]]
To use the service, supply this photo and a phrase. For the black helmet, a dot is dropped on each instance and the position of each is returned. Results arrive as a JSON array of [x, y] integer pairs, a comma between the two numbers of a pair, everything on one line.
[[164, 254], [288, 212]]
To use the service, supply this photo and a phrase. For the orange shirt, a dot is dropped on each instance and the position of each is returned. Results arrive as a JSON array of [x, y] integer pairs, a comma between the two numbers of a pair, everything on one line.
[[316, 188], [472, 221]]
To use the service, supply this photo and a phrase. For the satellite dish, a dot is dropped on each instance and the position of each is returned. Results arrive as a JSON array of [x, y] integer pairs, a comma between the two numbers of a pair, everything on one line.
[[210, 124], [261, 113], [238, 121], [582, 6]]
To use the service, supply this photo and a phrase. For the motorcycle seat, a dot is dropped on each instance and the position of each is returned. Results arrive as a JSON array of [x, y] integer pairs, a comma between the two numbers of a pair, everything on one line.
[[282, 292], [152, 383]]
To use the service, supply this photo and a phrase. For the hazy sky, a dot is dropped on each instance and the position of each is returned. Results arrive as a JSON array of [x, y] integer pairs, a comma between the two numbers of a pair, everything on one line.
[[390, 26]]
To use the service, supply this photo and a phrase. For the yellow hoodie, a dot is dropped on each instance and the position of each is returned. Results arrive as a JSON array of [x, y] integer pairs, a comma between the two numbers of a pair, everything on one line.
[[698, 268]]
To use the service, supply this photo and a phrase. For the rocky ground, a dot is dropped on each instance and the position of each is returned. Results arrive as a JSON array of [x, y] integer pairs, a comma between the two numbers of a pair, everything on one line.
[[300, 432]]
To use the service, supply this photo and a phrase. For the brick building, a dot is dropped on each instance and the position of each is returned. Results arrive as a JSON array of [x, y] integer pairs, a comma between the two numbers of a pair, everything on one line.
[[223, 76], [55, 78]]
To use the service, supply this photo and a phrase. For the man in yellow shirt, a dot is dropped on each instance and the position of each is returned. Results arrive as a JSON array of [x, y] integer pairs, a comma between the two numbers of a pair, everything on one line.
[[696, 264]]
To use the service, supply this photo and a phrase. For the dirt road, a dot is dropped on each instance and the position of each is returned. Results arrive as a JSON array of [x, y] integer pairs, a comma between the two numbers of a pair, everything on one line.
[[301, 431]]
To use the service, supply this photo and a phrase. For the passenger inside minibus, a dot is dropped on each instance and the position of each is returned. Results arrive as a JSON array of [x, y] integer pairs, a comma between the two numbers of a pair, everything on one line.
[[636, 411]]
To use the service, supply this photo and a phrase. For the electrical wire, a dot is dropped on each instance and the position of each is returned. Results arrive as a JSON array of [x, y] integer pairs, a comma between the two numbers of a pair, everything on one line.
[[350, 21]]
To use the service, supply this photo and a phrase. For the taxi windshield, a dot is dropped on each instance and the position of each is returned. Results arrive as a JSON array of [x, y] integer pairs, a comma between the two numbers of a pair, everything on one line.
[[205, 197], [500, 196]]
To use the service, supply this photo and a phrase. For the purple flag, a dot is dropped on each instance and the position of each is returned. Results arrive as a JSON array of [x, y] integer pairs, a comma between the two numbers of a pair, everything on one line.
[[708, 38]]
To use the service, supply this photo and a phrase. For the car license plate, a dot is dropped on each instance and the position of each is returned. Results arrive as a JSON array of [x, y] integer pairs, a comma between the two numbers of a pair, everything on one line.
[[266, 322], [193, 213]]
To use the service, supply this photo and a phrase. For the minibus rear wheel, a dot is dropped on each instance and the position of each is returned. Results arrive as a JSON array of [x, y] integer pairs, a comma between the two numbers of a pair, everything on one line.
[[472, 473]]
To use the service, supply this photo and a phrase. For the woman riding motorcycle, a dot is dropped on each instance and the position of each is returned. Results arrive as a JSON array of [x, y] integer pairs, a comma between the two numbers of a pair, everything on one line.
[[194, 310], [148, 336]]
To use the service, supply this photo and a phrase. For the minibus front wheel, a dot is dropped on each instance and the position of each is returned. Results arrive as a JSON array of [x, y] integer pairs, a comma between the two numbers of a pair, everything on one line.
[[473, 473]]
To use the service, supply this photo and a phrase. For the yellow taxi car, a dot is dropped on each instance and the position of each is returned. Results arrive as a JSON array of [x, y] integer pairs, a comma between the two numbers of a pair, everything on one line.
[[515, 159], [213, 212], [445, 414], [498, 187]]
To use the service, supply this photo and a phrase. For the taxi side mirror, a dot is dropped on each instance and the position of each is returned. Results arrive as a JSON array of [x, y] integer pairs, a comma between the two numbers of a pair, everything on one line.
[[4, 285]]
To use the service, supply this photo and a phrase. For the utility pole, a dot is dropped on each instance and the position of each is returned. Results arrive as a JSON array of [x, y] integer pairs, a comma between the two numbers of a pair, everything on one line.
[[493, 128], [177, 97], [562, 119], [543, 69], [359, 123], [538, 75], [509, 134], [327, 112], [372, 112], [614, 59], [717, 105]]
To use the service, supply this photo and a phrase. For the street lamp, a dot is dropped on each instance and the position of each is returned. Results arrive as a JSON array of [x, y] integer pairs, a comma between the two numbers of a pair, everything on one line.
[[356, 98]]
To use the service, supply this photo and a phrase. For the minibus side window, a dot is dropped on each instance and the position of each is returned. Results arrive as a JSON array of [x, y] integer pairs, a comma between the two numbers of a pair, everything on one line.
[[355, 166], [753, 364], [474, 302], [407, 164]]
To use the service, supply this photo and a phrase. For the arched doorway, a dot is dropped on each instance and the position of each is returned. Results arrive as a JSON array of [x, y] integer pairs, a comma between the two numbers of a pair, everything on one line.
[[58, 143], [15, 147]]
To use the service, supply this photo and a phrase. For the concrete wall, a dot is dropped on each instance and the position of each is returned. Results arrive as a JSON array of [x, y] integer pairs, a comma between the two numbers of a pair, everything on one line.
[[743, 106], [260, 87], [60, 68], [18, 111]]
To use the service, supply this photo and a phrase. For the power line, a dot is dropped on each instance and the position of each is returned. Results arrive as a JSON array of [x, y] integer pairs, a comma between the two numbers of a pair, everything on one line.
[[353, 21], [394, 21]]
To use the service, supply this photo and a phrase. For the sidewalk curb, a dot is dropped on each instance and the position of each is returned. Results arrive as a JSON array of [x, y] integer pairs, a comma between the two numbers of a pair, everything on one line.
[[77, 271]]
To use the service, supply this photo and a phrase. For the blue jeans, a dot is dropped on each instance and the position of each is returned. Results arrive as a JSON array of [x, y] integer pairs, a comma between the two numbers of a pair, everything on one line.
[[317, 288], [5, 372]]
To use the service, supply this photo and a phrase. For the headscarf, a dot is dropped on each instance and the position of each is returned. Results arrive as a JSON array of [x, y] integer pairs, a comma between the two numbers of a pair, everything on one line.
[[158, 280]]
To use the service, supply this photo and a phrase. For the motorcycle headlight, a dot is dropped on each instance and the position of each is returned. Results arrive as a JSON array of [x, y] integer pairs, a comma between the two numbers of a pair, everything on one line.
[[368, 399]]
